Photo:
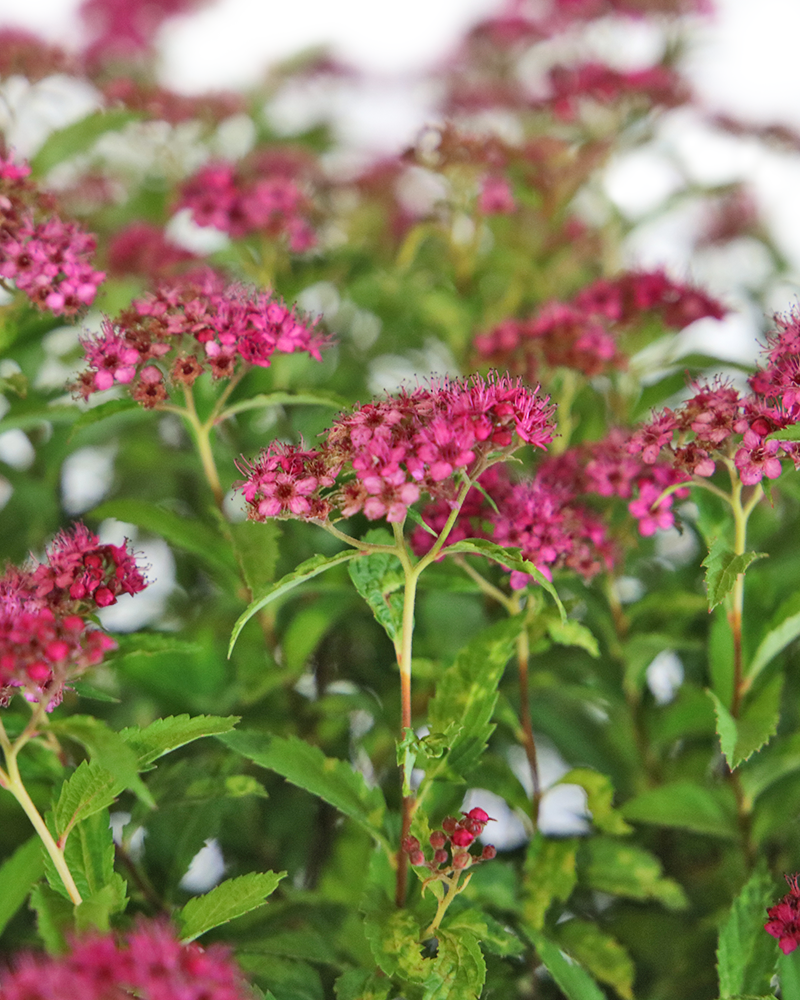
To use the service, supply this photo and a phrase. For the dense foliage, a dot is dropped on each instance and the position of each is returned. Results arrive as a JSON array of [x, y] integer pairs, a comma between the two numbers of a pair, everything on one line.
[[376, 544]]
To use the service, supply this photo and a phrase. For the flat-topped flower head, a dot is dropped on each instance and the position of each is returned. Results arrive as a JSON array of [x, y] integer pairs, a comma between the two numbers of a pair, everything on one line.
[[384, 455]]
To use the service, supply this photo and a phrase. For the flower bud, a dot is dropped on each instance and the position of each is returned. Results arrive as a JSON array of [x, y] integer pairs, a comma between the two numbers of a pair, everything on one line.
[[462, 838], [417, 858], [439, 857], [449, 824], [488, 853], [410, 844], [478, 815], [462, 860], [438, 839]]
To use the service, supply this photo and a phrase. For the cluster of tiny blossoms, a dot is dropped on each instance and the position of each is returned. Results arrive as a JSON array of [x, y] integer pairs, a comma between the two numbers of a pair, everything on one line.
[[582, 334], [784, 918], [148, 963], [451, 844], [543, 519], [395, 449], [189, 326], [718, 423], [45, 638], [46, 258], [238, 201]]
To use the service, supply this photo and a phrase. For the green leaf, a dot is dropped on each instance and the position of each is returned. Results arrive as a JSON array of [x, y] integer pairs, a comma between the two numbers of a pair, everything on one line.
[[721, 654], [783, 629], [17, 876], [379, 578], [267, 399], [360, 984], [256, 549], [305, 571], [786, 433], [722, 568], [686, 806], [164, 735], [789, 969], [191, 535], [492, 935], [572, 633], [550, 876], [620, 868], [459, 969], [288, 980], [90, 789], [229, 899], [509, 558], [109, 747], [572, 979], [89, 855], [54, 917], [467, 693], [757, 724], [304, 765], [600, 798], [746, 954], [780, 759], [78, 137], [95, 911], [601, 954], [105, 410]]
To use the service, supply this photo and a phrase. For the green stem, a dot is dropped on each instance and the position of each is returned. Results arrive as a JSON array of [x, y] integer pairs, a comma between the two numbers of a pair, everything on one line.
[[448, 897], [201, 432], [11, 780]]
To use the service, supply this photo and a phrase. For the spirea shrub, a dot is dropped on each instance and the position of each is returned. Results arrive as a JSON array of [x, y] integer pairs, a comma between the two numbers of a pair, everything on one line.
[[396, 603]]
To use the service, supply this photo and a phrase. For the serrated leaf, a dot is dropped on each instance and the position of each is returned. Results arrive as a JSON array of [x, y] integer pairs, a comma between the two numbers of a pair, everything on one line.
[[550, 876], [17, 876], [786, 434], [572, 979], [757, 724], [746, 954], [191, 535], [602, 955], [89, 854], [492, 935], [109, 747], [90, 789], [306, 766], [600, 798], [95, 911], [467, 693], [459, 969], [379, 579], [686, 806], [621, 868], [54, 918], [289, 980], [783, 630], [360, 984], [256, 549], [722, 569], [110, 408], [164, 735], [572, 633], [231, 898], [509, 558], [305, 571], [78, 138]]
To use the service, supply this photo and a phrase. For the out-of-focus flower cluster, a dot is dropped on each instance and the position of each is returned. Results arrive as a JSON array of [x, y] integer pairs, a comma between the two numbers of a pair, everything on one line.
[[46, 258], [45, 638], [584, 334], [261, 195], [451, 844], [189, 326], [398, 448], [720, 424], [148, 963], [784, 918]]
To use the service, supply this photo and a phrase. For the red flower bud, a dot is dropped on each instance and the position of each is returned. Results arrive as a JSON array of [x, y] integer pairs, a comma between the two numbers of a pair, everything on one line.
[[410, 844], [462, 837], [417, 858], [478, 815], [462, 860], [438, 839], [488, 853], [439, 857], [449, 824]]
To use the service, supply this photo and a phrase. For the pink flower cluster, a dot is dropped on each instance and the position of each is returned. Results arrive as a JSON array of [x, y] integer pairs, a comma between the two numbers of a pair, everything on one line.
[[48, 259], [569, 85], [260, 198], [784, 918], [718, 423], [451, 844], [582, 334], [149, 963], [543, 519], [496, 197], [161, 104], [398, 448], [142, 248], [125, 29], [45, 639], [189, 326]]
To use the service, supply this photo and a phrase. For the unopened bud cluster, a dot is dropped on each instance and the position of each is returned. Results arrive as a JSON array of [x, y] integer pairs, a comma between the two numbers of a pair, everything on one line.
[[451, 844]]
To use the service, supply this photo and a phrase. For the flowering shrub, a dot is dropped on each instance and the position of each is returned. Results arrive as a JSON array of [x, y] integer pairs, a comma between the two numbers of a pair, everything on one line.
[[393, 602]]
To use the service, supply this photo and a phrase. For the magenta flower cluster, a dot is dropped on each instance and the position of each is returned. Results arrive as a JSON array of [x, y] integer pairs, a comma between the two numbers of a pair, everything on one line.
[[451, 844], [46, 258], [719, 423], [784, 918], [189, 326], [394, 450], [583, 334], [265, 200], [148, 963], [45, 637]]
